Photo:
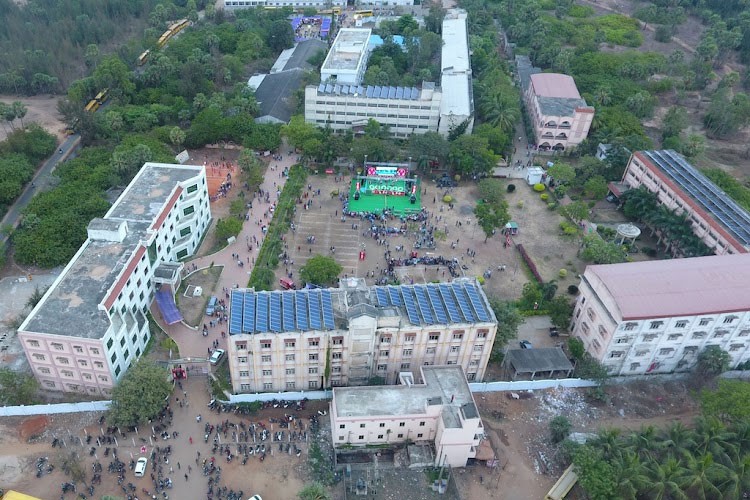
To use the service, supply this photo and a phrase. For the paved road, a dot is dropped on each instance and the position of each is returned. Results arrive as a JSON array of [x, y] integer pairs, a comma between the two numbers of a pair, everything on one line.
[[40, 182]]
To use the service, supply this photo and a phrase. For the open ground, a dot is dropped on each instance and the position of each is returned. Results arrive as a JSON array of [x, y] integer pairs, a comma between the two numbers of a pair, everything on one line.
[[41, 109]]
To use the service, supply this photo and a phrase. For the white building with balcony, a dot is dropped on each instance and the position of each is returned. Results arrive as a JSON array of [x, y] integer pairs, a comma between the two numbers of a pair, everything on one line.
[[439, 410], [91, 324], [657, 316]]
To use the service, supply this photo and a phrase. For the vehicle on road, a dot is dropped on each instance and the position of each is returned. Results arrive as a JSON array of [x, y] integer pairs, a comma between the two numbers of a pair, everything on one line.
[[525, 344], [216, 356], [140, 467]]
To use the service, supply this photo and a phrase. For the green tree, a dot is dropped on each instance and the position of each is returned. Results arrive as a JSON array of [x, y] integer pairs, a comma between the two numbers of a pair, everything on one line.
[[490, 217], [596, 187], [427, 147], [598, 251], [177, 137], [596, 476], [140, 395], [562, 173], [576, 211], [314, 491], [508, 321], [713, 360], [559, 428], [560, 311], [298, 131], [226, 228], [729, 401], [17, 388], [280, 35], [320, 270]]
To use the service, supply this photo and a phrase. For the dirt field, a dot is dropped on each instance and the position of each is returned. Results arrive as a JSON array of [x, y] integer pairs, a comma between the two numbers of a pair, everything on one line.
[[40, 109], [193, 308]]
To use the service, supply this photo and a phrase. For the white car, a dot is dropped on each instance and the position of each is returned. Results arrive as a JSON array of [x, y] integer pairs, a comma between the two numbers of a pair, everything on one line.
[[255, 497], [216, 356], [140, 467]]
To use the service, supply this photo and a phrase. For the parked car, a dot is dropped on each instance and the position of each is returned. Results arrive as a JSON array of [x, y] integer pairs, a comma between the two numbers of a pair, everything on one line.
[[216, 356], [140, 466], [287, 284], [211, 306], [525, 344], [554, 332]]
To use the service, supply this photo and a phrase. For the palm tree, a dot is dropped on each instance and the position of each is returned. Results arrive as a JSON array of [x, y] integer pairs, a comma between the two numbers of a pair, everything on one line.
[[714, 438], [645, 442], [610, 442], [500, 111], [701, 476], [631, 475], [737, 480], [679, 440], [664, 480]]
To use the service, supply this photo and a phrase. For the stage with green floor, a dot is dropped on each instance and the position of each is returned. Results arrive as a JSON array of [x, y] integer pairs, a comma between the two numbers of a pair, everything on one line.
[[401, 196]]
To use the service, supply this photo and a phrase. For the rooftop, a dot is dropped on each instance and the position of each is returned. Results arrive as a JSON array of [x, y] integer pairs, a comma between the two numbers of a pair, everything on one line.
[[348, 50], [554, 85], [461, 301], [371, 91], [455, 78], [71, 306], [726, 211], [560, 106], [676, 287], [443, 385], [274, 94], [539, 360]]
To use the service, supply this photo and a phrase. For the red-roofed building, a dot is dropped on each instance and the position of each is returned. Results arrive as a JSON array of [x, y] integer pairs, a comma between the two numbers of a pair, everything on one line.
[[560, 117], [657, 316]]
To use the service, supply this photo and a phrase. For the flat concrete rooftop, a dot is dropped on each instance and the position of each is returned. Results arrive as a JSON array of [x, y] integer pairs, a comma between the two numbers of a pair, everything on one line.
[[441, 384], [348, 49]]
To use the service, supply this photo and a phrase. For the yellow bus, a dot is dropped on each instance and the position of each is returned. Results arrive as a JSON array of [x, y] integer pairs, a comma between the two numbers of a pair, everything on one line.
[[101, 96], [327, 12], [92, 106], [363, 13], [143, 57]]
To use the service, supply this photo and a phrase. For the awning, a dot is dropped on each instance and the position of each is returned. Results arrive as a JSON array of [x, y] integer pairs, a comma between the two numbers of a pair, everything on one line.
[[168, 308]]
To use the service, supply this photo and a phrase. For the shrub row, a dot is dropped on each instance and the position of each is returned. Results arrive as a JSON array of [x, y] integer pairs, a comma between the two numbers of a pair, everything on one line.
[[262, 277], [529, 263]]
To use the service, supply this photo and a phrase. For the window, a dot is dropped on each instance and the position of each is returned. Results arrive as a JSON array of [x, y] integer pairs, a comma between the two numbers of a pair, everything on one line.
[[265, 345], [267, 386], [630, 326], [590, 314], [674, 336], [241, 346], [193, 188], [744, 333], [405, 366], [422, 424], [666, 351], [623, 340], [313, 343], [336, 369], [361, 437], [342, 426], [409, 338], [385, 340], [361, 426], [458, 336], [336, 355], [265, 359], [634, 366], [83, 362], [434, 336], [117, 370], [312, 357], [290, 371], [381, 425], [266, 373], [289, 357], [313, 370], [78, 349], [455, 348], [479, 348], [98, 364], [420, 435], [188, 210], [474, 362], [43, 369], [482, 334], [57, 346], [616, 354], [649, 337], [338, 340], [430, 350], [655, 325], [407, 353], [380, 436], [382, 368], [704, 321], [33, 343], [113, 358], [720, 333], [400, 435], [471, 376], [384, 354], [289, 344], [244, 373], [681, 324], [729, 319], [736, 347], [242, 359], [699, 335], [62, 360], [290, 385]]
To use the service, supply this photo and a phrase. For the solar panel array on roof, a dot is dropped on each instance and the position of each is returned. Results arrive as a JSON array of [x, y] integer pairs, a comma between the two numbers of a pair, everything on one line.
[[440, 303], [371, 91], [717, 203], [261, 312]]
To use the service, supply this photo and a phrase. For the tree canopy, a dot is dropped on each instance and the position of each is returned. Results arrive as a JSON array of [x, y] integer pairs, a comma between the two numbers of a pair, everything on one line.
[[320, 270], [140, 395], [17, 388]]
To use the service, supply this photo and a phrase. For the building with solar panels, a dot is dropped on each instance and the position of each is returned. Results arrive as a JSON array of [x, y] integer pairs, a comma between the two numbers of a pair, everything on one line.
[[91, 325], [284, 340], [717, 219]]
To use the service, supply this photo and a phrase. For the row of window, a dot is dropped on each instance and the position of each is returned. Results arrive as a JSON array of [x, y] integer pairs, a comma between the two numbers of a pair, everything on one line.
[[69, 374], [381, 425], [400, 435], [73, 387], [379, 115], [344, 122], [373, 105], [268, 386]]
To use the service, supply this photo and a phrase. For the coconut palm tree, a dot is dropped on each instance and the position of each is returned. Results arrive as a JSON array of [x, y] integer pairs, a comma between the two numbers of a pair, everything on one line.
[[501, 110], [645, 442], [737, 479], [713, 437], [665, 479], [679, 440], [632, 476], [701, 476]]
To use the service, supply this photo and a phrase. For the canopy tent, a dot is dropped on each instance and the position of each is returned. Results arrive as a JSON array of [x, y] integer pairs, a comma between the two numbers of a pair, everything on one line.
[[168, 308]]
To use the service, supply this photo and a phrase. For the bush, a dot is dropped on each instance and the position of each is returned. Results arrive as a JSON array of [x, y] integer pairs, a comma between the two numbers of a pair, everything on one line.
[[511, 188], [581, 11], [559, 428], [530, 263], [480, 279], [563, 273], [572, 289], [544, 196], [552, 205], [539, 187], [226, 228], [519, 204], [447, 199]]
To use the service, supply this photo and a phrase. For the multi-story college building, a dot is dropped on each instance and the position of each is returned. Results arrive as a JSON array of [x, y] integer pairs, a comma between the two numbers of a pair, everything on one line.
[[560, 117], [440, 410], [341, 102], [251, 4], [91, 324], [310, 339], [657, 316], [717, 219]]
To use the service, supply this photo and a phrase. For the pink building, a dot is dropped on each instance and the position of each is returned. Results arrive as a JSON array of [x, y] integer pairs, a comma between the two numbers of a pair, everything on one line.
[[91, 324], [657, 316], [718, 220], [560, 117], [440, 411]]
